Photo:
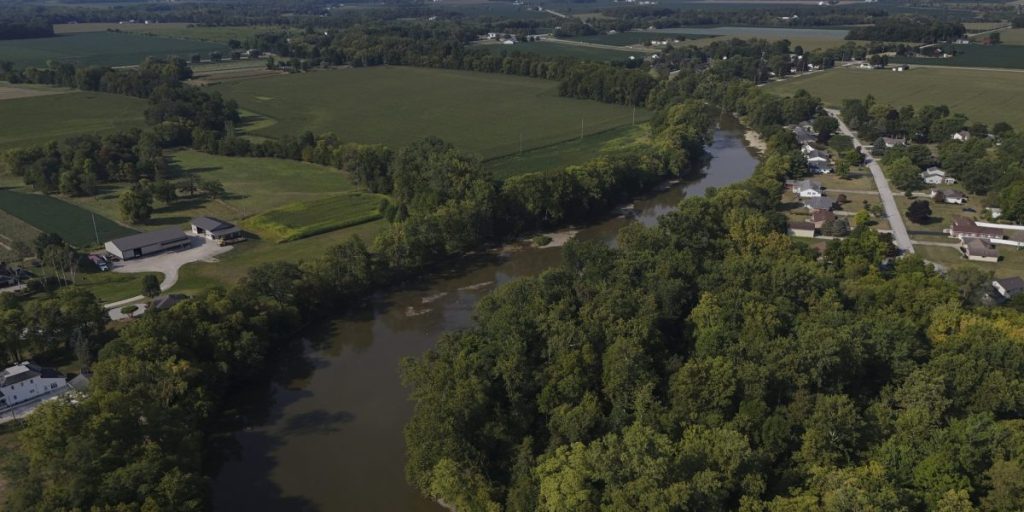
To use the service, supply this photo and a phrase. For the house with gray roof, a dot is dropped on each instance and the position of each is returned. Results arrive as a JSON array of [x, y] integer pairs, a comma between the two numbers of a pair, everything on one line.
[[26, 381], [146, 244], [214, 228], [1009, 287]]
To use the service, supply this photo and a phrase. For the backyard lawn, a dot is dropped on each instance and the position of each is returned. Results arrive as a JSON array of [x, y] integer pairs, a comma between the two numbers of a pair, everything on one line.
[[1011, 263]]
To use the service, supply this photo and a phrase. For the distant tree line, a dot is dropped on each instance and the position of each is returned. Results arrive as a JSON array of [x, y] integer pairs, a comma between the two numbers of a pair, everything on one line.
[[916, 29], [642, 17], [24, 29]]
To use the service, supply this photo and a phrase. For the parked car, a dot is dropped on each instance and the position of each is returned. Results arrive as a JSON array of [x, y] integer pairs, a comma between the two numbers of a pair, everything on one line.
[[100, 261], [972, 210]]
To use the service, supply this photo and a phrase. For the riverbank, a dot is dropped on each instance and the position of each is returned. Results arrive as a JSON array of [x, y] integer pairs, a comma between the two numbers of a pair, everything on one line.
[[755, 141]]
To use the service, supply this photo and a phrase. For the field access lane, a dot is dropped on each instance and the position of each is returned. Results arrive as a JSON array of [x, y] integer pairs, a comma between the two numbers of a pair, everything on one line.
[[899, 229]]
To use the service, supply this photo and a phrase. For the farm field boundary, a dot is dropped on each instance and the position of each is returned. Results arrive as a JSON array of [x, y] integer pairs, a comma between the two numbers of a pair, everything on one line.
[[301, 220], [51, 215]]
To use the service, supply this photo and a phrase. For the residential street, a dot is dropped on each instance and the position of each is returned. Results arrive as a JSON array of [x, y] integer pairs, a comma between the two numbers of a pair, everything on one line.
[[899, 229]]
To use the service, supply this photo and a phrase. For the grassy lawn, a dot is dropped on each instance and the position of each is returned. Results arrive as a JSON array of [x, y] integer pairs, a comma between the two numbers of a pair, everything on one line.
[[111, 286], [942, 216], [550, 49], [234, 264], [561, 155], [977, 56], [101, 48], [175, 30], [40, 119], [1011, 263], [305, 219], [253, 185], [478, 112], [15, 232], [857, 180], [986, 96], [52, 215]]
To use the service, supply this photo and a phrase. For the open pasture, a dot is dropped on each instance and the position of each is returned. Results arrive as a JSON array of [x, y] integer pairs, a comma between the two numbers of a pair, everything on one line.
[[173, 30], [101, 49], [51, 215], [252, 185], [487, 114], [548, 48], [41, 117], [1009, 56], [305, 219], [16, 237], [631, 38], [808, 38], [988, 96]]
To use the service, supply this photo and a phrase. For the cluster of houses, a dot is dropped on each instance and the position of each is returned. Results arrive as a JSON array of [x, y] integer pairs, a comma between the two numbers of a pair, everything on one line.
[[818, 161], [503, 38], [813, 198], [978, 239], [171, 239]]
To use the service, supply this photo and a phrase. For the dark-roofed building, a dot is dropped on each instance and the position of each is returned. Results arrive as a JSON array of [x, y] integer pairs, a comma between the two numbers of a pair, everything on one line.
[[963, 227], [819, 203], [167, 301], [25, 381], [804, 134], [1009, 287], [977, 249], [81, 381], [820, 217], [802, 229], [214, 228], [145, 244]]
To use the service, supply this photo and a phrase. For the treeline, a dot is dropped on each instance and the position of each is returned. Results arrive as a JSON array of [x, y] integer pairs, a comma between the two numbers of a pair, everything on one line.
[[25, 29], [712, 363], [139, 82], [642, 17], [916, 29]]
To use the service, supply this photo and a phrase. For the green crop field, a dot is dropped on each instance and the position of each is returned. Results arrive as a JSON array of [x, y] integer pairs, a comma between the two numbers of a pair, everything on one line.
[[629, 38], [39, 119], [101, 48], [51, 215], [563, 154], [975, 56], [305, 219], [253, 185], [174, 30], [486, 114], [551, 49], [986, 96]]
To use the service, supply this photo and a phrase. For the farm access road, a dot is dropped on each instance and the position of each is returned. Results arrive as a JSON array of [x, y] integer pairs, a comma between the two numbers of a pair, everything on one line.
[[899, 229]]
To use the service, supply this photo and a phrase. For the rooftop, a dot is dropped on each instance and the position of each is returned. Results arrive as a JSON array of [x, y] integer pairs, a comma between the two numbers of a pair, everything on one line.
[[978, 247], [1012, 285], [211, 223], [164, 236]]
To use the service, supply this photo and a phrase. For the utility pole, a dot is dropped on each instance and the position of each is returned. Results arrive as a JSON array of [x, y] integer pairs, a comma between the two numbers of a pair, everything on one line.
[[94, 230], [634, 114], [581, 128], [520, 143]]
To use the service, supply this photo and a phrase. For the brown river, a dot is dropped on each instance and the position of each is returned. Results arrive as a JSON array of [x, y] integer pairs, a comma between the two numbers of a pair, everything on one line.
[[327, 435]]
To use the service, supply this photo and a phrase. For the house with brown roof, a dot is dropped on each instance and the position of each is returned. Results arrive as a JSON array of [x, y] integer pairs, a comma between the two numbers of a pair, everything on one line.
[[820, 217], [801, 229], [963, 227], [976, 249]]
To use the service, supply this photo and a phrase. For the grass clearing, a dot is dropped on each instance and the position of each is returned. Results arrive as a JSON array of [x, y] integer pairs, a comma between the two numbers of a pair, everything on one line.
[[113, 286], [1013, 36], [40, 119], [101, 49], [1011, 260], [305, 219], [51, 215], [631, 38], [16, 237], [561, 155], [942, 216], [975, 56], [988, 96], [546, 48], [486, 114], [253, 185], [808, 38]]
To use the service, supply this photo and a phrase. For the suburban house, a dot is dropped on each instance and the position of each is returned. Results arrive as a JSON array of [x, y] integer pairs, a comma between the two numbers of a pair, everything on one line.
[[936, 176], [892, 142], [820, 217], [1009, 287], [962, 136], [804, 134], [801, 229], [25, 381], [962, 227], [214, 228], [976, 249], [819, 203], [950, 196], [993, 212], [817, 157], [145, 244], [807, 149], [807, 188]]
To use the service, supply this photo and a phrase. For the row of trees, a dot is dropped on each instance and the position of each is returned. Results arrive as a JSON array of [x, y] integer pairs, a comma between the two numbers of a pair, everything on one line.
[[24, 28], [916, 29]]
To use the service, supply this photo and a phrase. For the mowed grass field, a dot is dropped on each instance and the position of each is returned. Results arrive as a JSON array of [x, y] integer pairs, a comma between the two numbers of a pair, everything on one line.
[[253, 185], [988, 96], [51, 215], [101, 48], [809, 39], [16, 237], [976, 56], [174, 30], [630, 38], [559, 156], [40, 118], [301, 220], [487, 114], [552, 49]]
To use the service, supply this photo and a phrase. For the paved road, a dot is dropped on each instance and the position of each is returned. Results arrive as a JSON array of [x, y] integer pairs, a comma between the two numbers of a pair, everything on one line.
[[899, 230]]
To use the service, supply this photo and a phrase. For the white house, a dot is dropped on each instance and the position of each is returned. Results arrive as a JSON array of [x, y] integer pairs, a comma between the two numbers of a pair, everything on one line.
[[145, 244], [936, 176], [962, 136], [950, 196], [25, 381], [214, 228], [817, 158], [807, 188], [892, 142]]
